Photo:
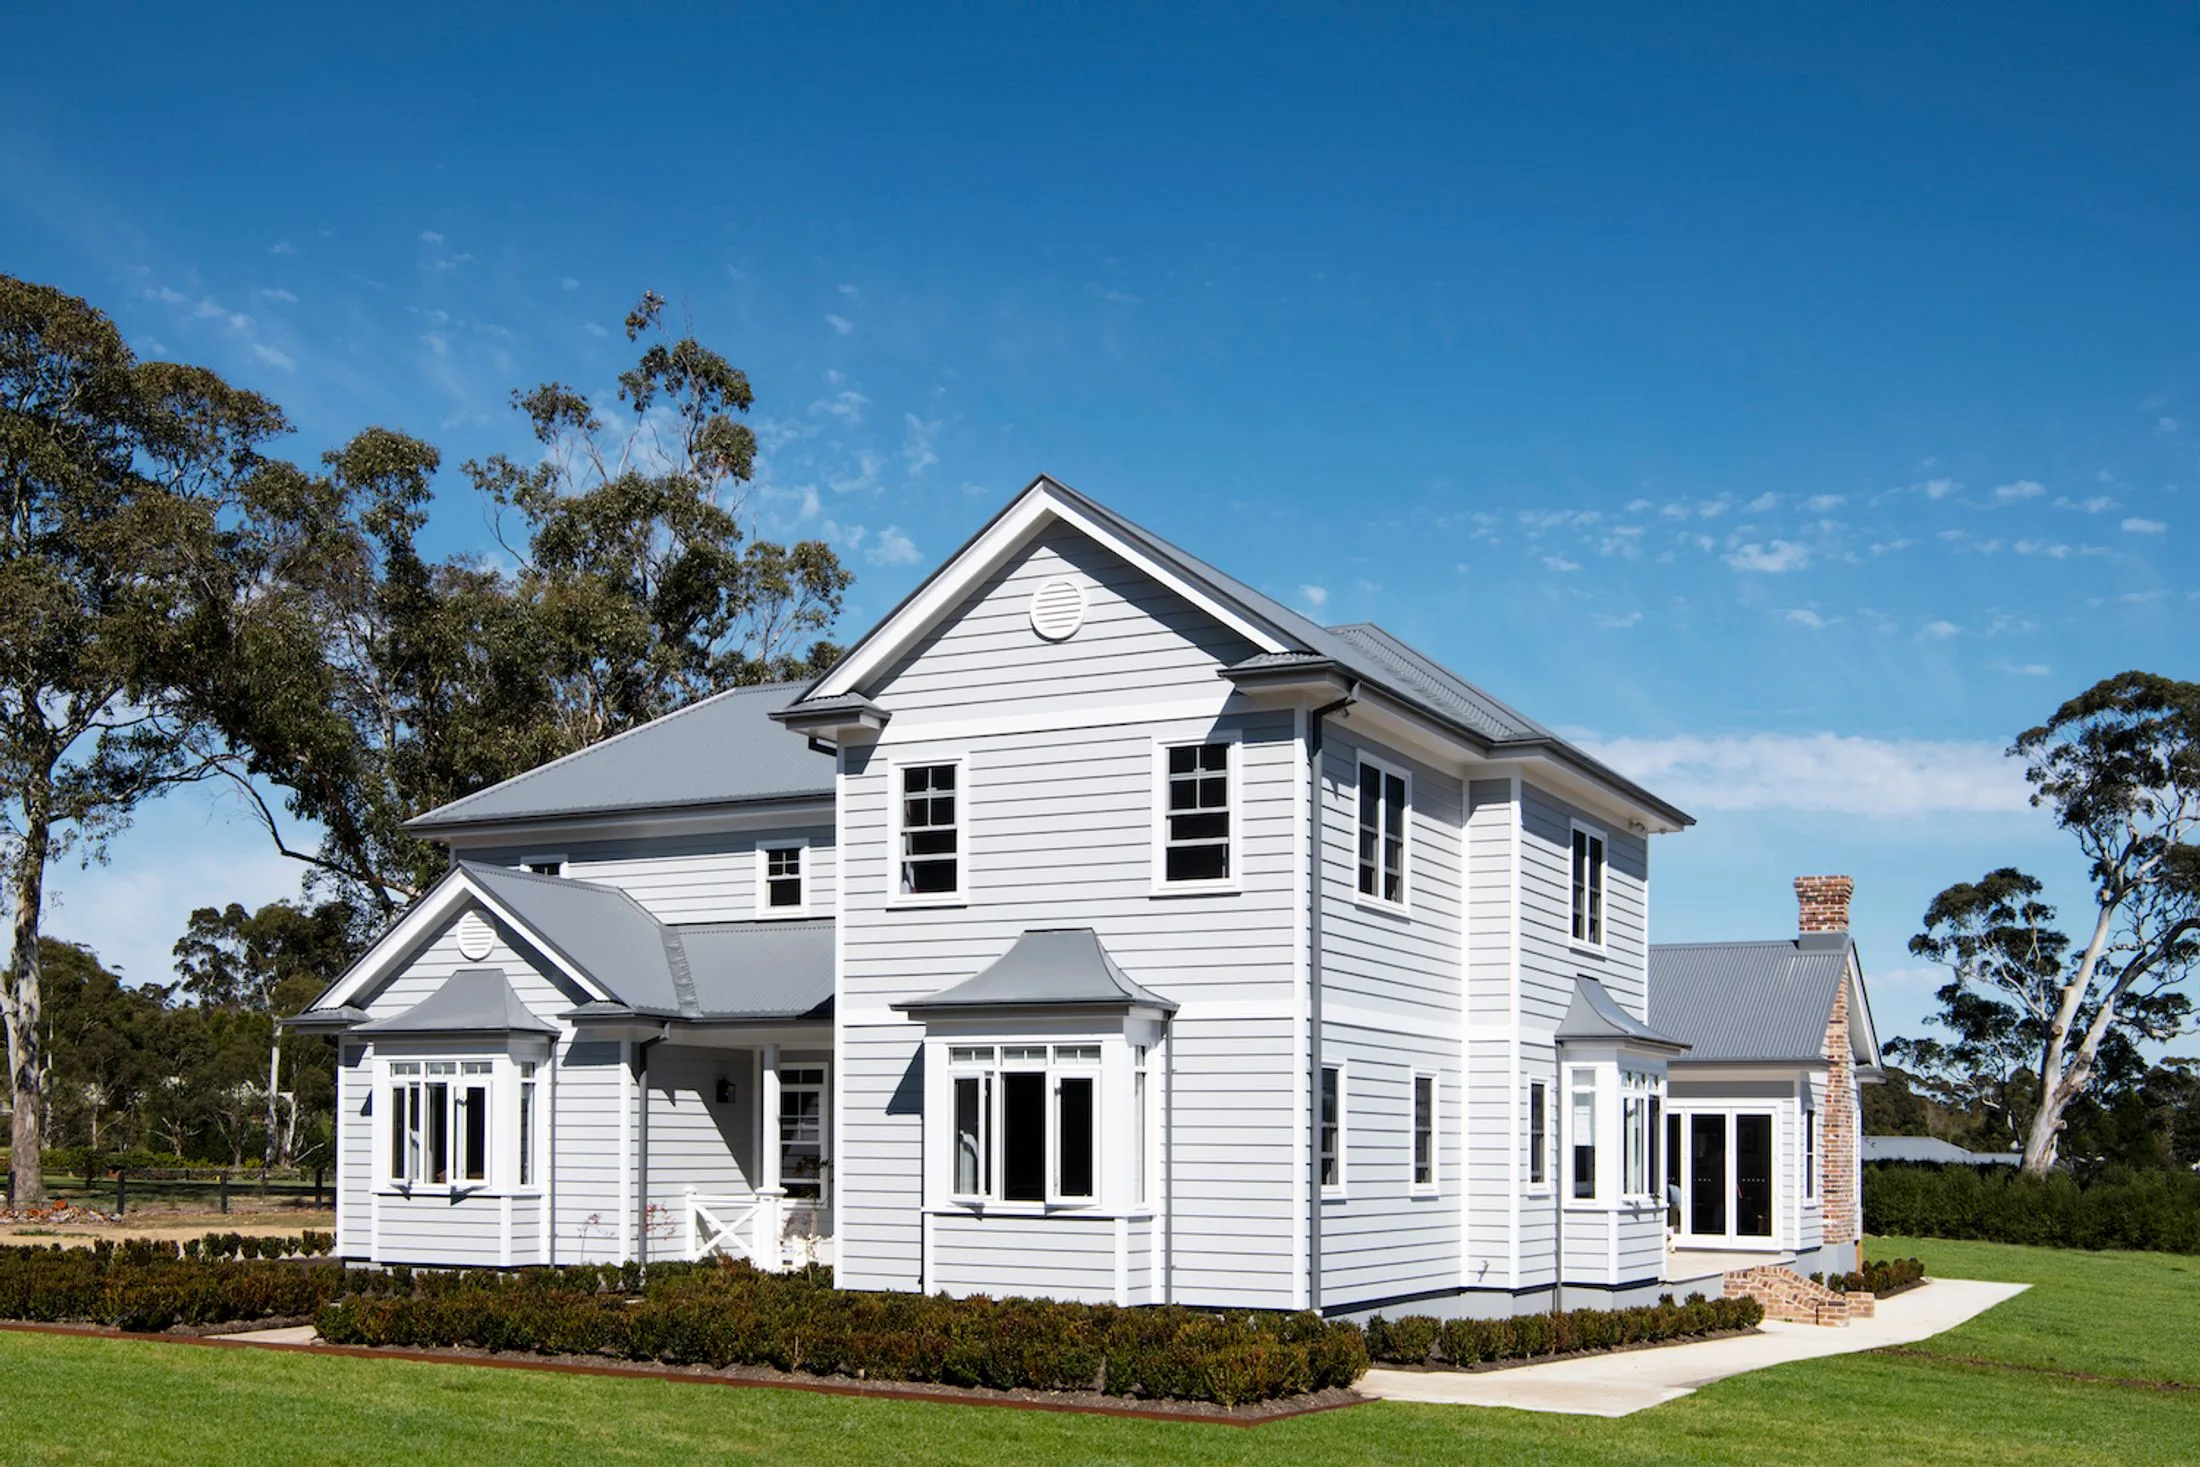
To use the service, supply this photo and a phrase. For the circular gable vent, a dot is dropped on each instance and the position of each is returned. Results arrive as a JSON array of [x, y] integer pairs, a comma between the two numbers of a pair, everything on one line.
[[1058, 610], [474, 937]]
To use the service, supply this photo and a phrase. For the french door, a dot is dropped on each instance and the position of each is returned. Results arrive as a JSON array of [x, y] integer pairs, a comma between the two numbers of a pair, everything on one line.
[[1719, 1174]]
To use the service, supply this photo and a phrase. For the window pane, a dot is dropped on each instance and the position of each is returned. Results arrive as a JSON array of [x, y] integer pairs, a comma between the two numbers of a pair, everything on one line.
[[1332, 1164], [1538, 1104], [1075, 1131], [1196, 833], [1184, 760], [473, 1107], [439, 1132], [1139, 1122], [1024, 1137], [1394, 838], [412, 1172], [970, 1173], [527, 1134], [1596, 890], [1197, 863], [1371, 831], [398, 1132], [1585, 1147], [1424, 1130]]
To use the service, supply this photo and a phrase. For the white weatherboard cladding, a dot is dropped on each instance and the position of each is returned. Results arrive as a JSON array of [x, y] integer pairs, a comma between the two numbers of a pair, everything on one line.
[[1550, 961], [1392, 1006], [354, 1151], [432, 1228], [1059, 1257], [708, 877], [693, 1140], [1059, 833], [1495, 1091]]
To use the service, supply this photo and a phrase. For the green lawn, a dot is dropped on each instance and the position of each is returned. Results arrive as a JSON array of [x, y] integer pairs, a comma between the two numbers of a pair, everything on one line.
[[98, 1400]]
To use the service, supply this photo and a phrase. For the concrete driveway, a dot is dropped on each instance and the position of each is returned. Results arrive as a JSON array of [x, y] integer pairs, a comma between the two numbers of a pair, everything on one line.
[[1633, 1380]]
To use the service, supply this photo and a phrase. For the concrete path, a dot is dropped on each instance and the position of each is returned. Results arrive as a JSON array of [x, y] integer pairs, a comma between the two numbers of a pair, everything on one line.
[[297, 1334], [1634, 1380]]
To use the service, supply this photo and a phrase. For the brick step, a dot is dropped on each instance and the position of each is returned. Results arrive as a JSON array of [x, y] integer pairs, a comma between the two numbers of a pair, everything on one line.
[[1787, 1295]]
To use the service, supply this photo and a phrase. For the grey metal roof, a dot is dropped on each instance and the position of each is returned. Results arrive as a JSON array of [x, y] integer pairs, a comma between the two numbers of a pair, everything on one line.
[[1931, 1148], [1046, 966], [326, 1021], [1361, 651], [1734, 1001], [598, 929], [760, 969], [1595, 1015], [471, 1001], [720, 750]]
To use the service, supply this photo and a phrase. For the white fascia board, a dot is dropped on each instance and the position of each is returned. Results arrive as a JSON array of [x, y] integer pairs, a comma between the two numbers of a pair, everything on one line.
[[1591, 795], [985, 555], [437, 907], [629, 825]]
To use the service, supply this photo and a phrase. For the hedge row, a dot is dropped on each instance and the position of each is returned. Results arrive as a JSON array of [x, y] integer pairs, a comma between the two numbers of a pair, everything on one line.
[[1418, 1339], [105, 1287], [734, 1315], [1887, 1276], [2158, 1211]]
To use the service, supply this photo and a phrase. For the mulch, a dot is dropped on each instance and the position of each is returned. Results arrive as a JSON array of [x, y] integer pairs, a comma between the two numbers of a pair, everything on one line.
[[1089, 1403]]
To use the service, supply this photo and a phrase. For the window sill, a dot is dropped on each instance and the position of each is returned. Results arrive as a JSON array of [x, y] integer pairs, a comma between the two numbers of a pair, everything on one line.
[[939, 899], [447, 1193], [780, 914], [1588, 949], [983, 1207], [1400, 910], [1425, 1194], [1195, 888], [1335, 1194]]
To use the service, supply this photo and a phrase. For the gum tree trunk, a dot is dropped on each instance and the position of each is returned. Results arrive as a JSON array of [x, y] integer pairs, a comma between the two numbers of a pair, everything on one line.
[[20, 1000]]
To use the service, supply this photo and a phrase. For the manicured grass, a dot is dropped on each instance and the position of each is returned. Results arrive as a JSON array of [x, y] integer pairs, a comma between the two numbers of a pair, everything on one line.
[[96, 1400], [2133, 1316]]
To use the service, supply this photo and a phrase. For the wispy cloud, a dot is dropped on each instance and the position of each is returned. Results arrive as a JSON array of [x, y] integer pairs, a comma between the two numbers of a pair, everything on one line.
[[2137, 526], [1937, 488], [850, 291], [430, 237], [2021, 489], [276, 293], [567, 282], [1620, 622], [1314, 596], [1938, 631], [1109, 293], [893, 548], [273, 356], [2021, 669], [1763, 502], [916, 446], [282, 247], [2091, 504], [1820, 503], [1826, 772], [1560, 563], [840, 324], [1780, 555], [1803, 616], [845, 406]]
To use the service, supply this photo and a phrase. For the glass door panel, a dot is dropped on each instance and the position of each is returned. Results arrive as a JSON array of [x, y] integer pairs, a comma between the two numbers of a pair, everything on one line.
[[1707, 1175], [1753, 1176]]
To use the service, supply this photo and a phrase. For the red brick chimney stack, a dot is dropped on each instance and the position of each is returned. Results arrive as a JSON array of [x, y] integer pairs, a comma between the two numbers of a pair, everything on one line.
[[1824, 901]]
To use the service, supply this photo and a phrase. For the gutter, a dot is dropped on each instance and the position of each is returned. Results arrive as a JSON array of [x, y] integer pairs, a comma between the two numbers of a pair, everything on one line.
[[1315, 722]]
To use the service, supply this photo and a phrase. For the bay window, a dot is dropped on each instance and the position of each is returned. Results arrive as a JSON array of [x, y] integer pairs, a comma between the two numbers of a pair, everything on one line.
[[1026, 1122], [446, 1120]]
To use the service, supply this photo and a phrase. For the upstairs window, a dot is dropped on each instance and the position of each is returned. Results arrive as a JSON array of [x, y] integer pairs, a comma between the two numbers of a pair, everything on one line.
[[1026, 1122], [1588, 887], [545, 865], [1382, 834], [1424, 1132], [1195, 836], [931, 831], [783, 884]]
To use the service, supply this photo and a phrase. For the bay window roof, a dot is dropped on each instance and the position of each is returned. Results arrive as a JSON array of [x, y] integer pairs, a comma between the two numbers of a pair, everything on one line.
[[1595, 1016], [471, 1001], [1047, 967]]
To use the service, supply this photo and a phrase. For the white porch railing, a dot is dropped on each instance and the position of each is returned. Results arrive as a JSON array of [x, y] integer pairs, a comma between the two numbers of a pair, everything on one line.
[[739, 1227]]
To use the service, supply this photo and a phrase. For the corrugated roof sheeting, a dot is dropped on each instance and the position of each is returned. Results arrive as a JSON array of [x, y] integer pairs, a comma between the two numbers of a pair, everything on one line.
[[753, 969], [1746, 1000]]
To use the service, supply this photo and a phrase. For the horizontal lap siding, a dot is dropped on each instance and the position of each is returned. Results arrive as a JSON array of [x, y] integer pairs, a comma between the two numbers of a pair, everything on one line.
[[1496, 1096], [693, 1140], [1059, 1257], [1538, 1219], [1549, 962], [585, 1148], [1140, 1284], [1400, 973], [355, 1153], [1059, 833], [527, 1231], [707, 877], [465, 1233], [1588, 1247], [1641, 1244]]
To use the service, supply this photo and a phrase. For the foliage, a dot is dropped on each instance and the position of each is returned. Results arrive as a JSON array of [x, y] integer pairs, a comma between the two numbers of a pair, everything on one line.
[[1422, 1340], [147, 1285], [1887, 1276], [2118, 1208], [115, 475], [370, 683]]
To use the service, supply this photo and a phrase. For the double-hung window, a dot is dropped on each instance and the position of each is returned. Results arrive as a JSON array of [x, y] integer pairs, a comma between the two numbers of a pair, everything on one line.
[[439, 1122], [1331, 1129], [782, 879], [1635, 1103], [1588, 887], [1026, 1122], [1424, 1133], [1383, 814], [1195, 815], [802, 1131], [1582, 1099], [931, 830], [1810, 1150], [527, 1123], [1539, 1133]]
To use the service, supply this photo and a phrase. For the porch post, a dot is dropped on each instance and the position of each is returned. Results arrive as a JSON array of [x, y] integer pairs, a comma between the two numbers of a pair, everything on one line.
[[770, 1194], [692, 1246]]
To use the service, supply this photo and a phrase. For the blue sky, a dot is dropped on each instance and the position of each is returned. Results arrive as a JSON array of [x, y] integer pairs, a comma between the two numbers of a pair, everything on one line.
[[1792, 403]]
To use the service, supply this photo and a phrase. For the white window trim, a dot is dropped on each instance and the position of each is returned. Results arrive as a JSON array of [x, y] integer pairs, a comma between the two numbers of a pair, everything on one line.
[[502, 1178], [1728, 1114], [1641, 1086], [1602, 889], [1538, 1140], [1434, 1186], [897, 807], [1161, 886], [1055, 1069], [544, 858], [1813, 1141], [766, 911], [1341, 1188], [1375, 900], [1601, 1196]]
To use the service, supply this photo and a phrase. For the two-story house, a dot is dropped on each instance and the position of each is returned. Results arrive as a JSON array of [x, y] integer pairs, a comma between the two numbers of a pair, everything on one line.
[[1097, 928]]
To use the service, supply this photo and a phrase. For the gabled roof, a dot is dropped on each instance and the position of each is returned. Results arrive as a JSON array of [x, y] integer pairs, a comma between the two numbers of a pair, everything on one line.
[[598, 929], [1289, 641], [1755, 1001], [720, 750], [1047, 967], [471, 1001], [1595, 1015]]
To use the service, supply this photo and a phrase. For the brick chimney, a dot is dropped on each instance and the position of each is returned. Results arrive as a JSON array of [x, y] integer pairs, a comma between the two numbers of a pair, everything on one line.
[[1824, 902]]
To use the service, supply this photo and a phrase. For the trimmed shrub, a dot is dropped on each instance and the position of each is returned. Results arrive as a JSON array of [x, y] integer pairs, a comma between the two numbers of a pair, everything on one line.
[[1882, 1278], [2119, 1208], [1463, 1342]]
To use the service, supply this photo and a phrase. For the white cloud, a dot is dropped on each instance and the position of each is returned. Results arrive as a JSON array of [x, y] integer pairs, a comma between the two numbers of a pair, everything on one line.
[[849, 291], [1619, 623], [1937, 488], [1763, 502], [593, 329], [2053, 550], [1109, 293], [846, 405], [2021, 669], [2165, 425], [272, 356], [1780, 555], [2137, 526], [430, 237], [1828, 772], [567, 282], [2092, 504], [1938, 631], [2021, 489], [1314, 596], [916, 448], [840, 324], [276, 294], [893, 548], [1888, 547], [1560, 563], [1637, 506], [282, 247], [1803, 616], [1820, 503]]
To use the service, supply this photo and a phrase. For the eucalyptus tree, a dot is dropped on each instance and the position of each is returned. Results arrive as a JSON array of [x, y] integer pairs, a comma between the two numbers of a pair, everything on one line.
[[115, 477], [2118, 766]]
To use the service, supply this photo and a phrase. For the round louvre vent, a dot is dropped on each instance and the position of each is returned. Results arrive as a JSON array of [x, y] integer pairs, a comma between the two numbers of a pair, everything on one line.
[[475, 937], [1058, 610]]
